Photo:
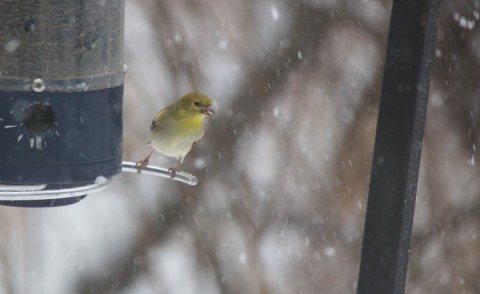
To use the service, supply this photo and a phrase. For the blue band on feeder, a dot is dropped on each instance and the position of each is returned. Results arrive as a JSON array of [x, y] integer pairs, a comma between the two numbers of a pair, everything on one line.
[[60, 139], [55, 138]]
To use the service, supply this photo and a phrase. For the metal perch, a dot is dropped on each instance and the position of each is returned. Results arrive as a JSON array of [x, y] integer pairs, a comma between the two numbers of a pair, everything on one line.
[[42, 192], [161, 172]]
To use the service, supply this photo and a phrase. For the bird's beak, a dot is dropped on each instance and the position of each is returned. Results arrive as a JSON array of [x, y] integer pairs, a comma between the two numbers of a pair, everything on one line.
[[209, 112]]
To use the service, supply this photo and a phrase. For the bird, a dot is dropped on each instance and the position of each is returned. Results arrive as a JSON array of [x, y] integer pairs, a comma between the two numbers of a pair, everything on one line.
[[177, 127]]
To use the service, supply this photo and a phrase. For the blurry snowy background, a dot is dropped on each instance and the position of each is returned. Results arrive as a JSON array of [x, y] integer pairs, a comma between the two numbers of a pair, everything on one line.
[[284, 168]]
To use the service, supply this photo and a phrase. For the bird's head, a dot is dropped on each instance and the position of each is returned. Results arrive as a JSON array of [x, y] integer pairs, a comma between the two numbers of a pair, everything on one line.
[[197, 103]]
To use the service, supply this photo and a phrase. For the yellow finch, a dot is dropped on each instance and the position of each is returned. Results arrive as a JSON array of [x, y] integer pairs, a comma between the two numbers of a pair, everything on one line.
[[175, 128]]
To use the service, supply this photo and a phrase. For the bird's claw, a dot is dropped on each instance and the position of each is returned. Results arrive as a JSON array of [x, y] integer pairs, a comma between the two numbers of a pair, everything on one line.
[[173, 172], [141, 165]]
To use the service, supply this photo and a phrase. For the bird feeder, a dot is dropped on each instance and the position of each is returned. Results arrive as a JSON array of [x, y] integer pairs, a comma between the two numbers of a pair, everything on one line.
[[61, 91]]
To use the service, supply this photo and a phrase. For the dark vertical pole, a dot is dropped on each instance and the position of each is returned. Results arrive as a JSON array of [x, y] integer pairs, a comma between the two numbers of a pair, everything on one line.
[[398, 145]]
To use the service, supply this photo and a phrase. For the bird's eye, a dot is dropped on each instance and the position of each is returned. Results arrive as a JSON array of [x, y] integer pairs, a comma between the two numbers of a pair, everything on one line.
[[197, 104]]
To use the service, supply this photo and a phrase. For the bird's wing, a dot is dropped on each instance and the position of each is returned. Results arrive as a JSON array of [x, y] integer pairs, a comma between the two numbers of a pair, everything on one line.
[[156, 119]]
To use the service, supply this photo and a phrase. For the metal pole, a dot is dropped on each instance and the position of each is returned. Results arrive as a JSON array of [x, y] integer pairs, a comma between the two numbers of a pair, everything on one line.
[[398, 146]]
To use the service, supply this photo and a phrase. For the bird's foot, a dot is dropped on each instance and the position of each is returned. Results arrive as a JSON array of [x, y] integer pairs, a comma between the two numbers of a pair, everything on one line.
[[141, 165], [173, 172]]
